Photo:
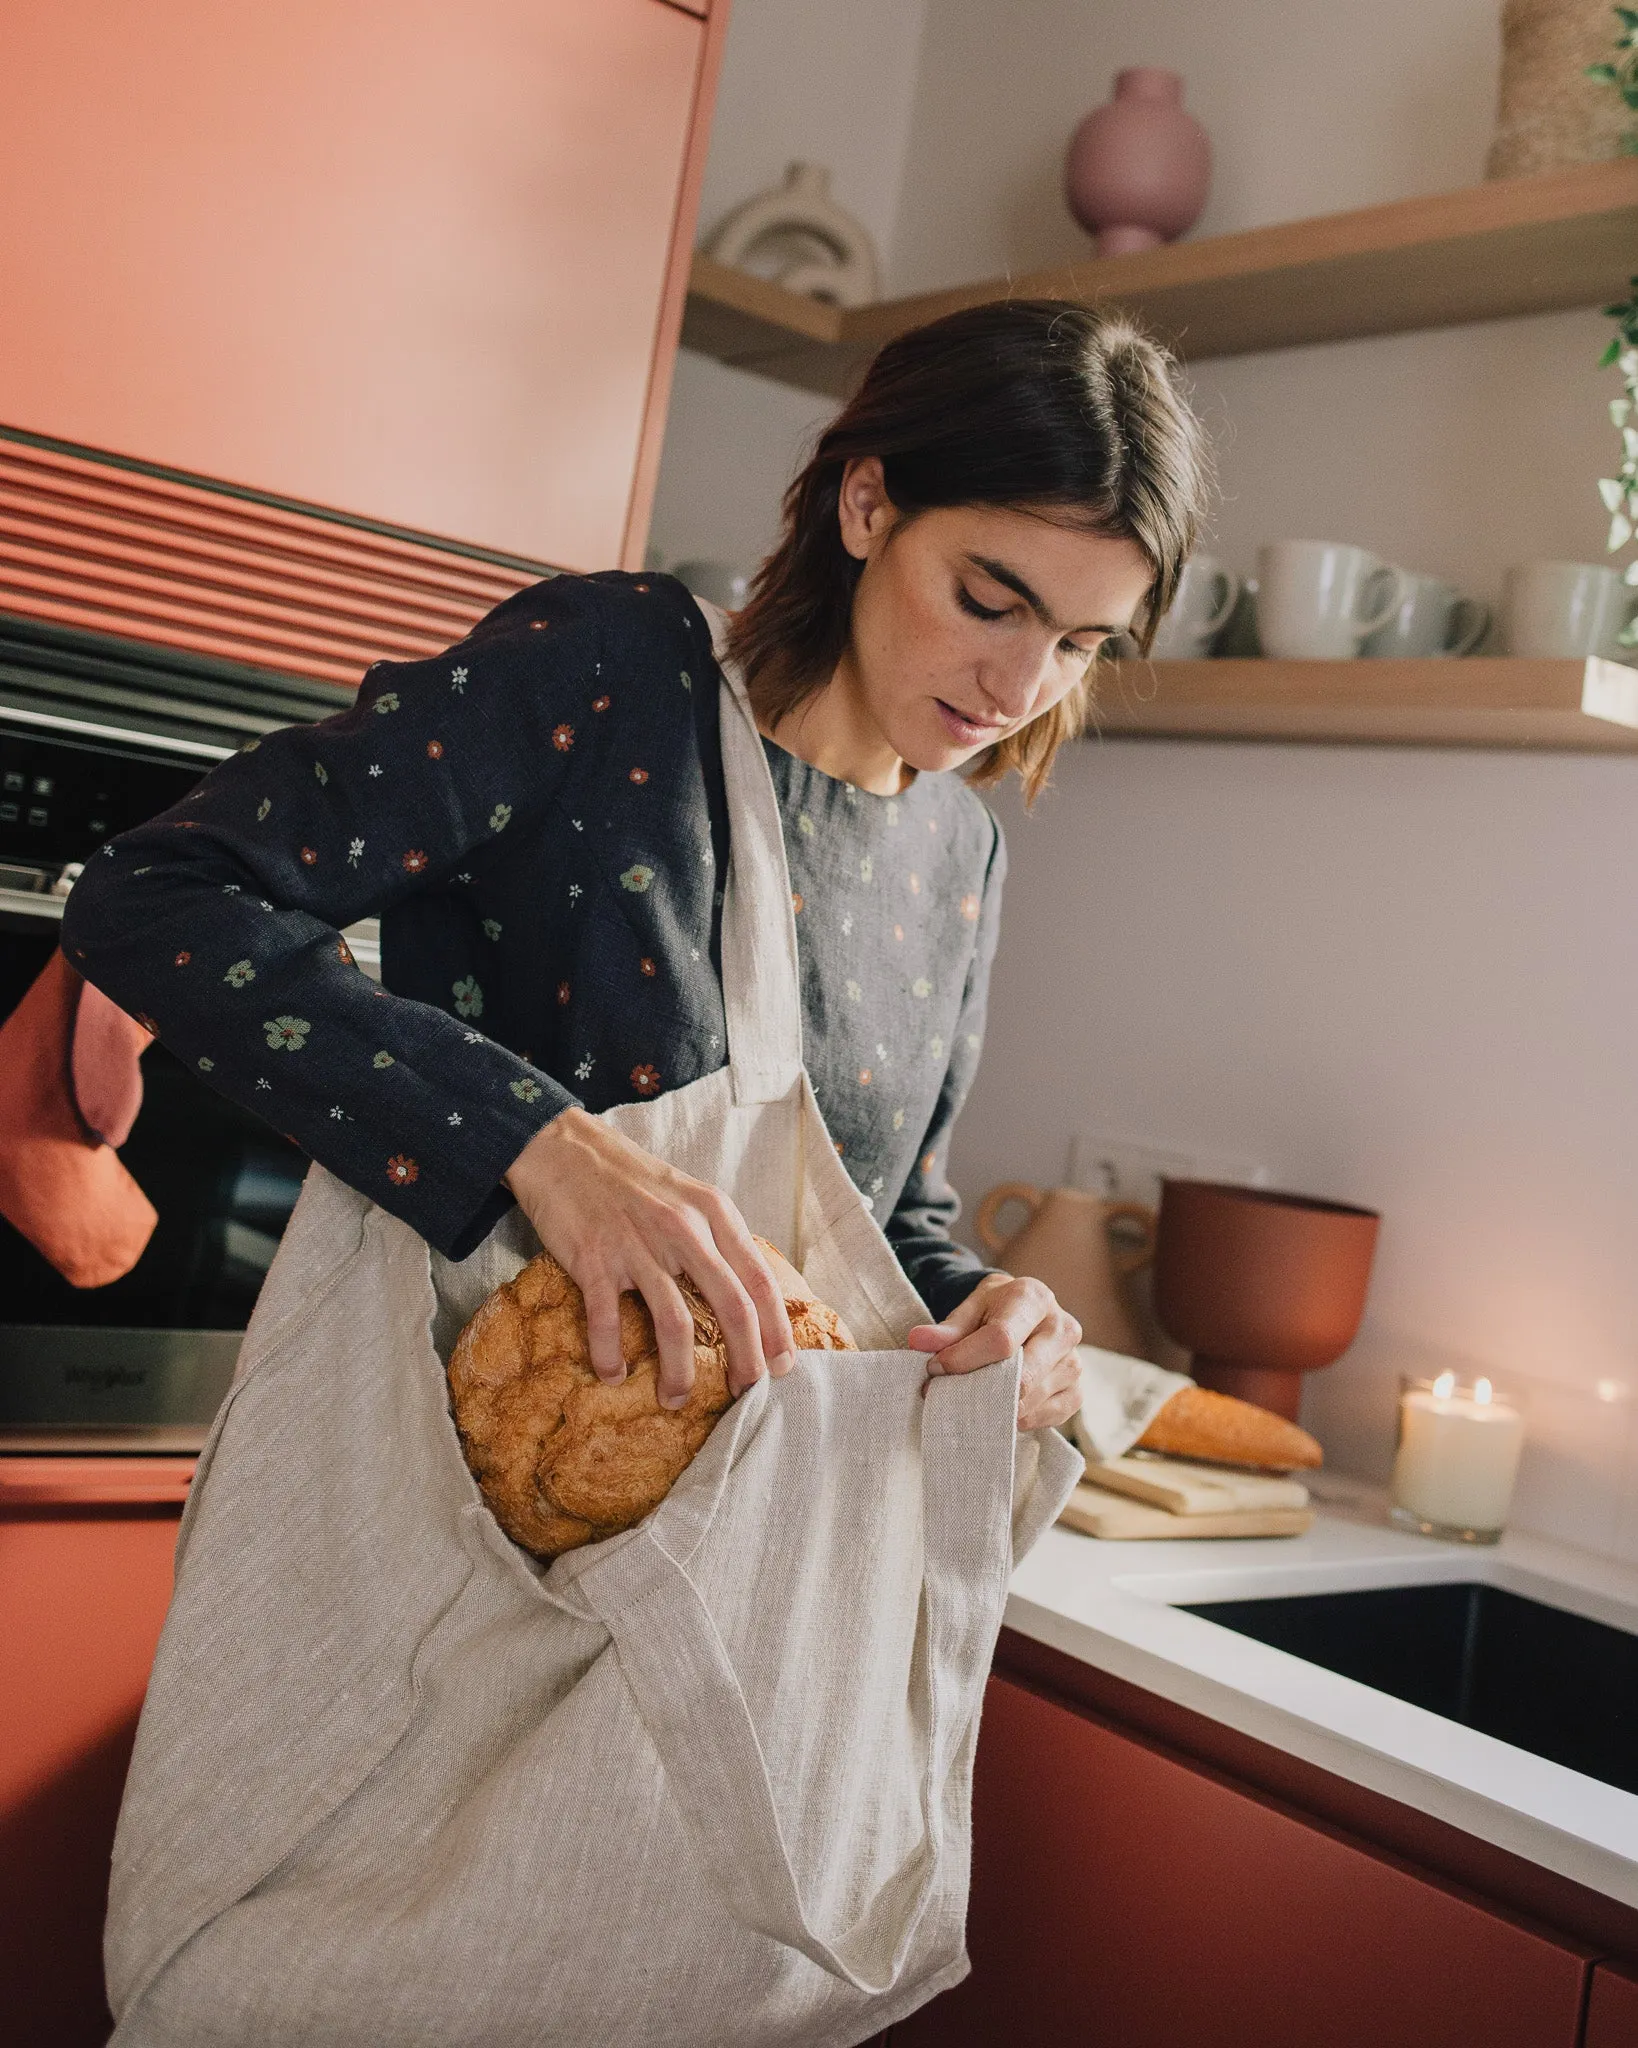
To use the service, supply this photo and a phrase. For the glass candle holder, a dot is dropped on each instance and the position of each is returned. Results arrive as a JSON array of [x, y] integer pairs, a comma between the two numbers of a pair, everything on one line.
[[1457, 1459]]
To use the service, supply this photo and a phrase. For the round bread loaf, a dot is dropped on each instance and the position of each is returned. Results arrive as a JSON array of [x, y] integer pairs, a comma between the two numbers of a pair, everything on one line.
[[561, 1457]]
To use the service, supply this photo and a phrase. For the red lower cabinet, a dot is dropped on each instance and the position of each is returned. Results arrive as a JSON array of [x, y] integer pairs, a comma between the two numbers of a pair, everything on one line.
[[1125, 1899], [83, 1590], [1612, 2009]]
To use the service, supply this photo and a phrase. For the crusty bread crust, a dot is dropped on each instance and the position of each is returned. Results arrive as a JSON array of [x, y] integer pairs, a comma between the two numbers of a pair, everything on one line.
[[1196, 1423], [561, 1458]]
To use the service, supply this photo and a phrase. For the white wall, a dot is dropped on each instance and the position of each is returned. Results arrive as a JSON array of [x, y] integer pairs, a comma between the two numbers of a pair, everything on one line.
[[1405, 977], [829, 83]]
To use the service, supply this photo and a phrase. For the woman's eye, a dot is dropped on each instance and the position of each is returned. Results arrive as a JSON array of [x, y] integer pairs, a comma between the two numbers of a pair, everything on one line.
[[973, 608]]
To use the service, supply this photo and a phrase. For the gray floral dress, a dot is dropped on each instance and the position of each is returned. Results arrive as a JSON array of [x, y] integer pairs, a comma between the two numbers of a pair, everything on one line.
[[538, 819]]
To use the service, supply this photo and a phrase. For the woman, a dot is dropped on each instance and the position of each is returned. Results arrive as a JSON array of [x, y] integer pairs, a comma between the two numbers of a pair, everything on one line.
[[538, 817]]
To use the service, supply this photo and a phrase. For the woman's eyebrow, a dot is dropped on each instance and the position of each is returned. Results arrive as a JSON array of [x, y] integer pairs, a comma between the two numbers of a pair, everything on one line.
[[1011, 580]]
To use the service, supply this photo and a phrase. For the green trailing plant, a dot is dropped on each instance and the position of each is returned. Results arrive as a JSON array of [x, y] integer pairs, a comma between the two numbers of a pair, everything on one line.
[[1620, 492]]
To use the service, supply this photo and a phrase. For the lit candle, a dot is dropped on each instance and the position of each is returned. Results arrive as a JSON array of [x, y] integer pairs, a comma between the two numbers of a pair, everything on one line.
[[1458, 1455]]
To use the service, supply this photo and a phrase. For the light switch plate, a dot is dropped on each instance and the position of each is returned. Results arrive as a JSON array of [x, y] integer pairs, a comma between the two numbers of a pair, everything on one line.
[[1131, 1169]]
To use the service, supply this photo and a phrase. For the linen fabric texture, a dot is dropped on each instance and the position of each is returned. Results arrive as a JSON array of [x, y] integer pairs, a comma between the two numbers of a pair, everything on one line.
[[707, 1782]]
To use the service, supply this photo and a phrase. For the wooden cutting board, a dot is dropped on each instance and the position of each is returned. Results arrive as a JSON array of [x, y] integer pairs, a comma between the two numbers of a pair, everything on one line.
[[1122, 1520], [1187, 1488]]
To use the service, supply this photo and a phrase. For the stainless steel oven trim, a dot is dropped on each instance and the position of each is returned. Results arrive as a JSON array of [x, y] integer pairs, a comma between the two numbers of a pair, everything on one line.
[[154, 743]]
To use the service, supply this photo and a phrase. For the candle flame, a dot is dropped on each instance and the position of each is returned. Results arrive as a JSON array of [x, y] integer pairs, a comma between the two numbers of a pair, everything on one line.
[[1444, 1386], [1482, 1392]]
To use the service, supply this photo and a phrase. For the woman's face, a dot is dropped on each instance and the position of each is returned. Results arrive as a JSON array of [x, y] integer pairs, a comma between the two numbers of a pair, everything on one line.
[[969, 621]]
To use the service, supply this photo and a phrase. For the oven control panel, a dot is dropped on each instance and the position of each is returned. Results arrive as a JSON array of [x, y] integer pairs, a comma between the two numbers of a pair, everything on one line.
[[61, 797]]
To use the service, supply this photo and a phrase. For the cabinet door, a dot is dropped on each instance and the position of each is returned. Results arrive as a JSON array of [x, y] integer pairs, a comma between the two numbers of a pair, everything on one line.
[[1125, 1899], [1612, 2009], [407, 261], [82, 1597]]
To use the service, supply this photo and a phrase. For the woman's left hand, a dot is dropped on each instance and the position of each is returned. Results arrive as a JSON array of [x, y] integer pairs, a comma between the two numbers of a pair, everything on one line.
[[1000, 1315]]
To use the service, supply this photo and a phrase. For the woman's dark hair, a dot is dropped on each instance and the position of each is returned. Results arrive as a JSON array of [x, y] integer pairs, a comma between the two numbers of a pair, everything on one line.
[[1034, 404]]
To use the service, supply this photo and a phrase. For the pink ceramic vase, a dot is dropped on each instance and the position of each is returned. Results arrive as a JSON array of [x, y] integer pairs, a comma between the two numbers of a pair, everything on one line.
[[1139, 168]]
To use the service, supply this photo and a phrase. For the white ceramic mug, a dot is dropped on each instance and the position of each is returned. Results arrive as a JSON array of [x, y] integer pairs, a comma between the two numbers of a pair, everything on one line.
[[1206, 594], [1432, 617], [1566, 610], [1317, 600]]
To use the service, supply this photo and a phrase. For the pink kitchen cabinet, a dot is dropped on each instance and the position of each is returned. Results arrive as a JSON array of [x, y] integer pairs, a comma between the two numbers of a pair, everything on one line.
[[424, 263], [86, 1548], [1127, 1898]]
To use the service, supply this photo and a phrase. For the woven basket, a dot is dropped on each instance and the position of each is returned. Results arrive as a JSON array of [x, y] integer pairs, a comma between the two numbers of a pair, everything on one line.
[[1551, 114]]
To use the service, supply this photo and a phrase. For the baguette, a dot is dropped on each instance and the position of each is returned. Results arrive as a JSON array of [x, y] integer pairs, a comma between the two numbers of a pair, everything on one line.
[[1196, 1423]]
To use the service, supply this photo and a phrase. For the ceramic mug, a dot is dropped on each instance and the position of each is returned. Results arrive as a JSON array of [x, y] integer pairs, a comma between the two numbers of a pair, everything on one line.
[[1206, 594], [1432, 618], [1317, 600], [1566, 610]]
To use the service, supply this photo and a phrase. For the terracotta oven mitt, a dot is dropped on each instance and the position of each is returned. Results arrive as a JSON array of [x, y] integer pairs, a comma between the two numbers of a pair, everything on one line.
[[70, 1089]]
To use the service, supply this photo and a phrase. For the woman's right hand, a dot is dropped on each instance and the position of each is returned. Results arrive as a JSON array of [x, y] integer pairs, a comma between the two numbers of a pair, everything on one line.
[[615, 1217]]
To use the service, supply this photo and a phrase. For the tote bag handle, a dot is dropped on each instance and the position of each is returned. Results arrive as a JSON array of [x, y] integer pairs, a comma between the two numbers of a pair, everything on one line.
[[695, 1710]]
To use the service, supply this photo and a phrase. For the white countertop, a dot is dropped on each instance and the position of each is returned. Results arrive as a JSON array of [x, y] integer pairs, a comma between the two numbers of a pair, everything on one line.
[[1106, 1604]]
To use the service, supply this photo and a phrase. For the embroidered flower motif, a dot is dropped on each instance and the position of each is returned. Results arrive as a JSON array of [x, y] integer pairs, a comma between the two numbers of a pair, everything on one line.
[[260, 1083], [435, 750], [583, 1071], [932, 824], [638, 775], [646, 1079], [500, 817], [263, 808], [321, 772], [973, 1041], [575, 892], [454, 1119], [854, 992], [563, 737], [468, 997], [847, 924], [686, 680], [286, 1034], [877, 1184], [309, 857], [864, 1077], [338, 1114], [228, 888], [601, 703], [577, 824], [867, 869], [414, 862], [457, 682], [491, 928], [921, 988], [387, 701], [375, 767], [926, 1161], [970, 907], [402, 1171], [383, 1060], [527, 1089], [898, 1119], [898, 933], [797, 901], [563, 992], [805, 825], [207, 1066], [840, 1147], [240, 974], [183, 958], [472, 1037], [915, 885], [355, 849], [646, 966], [935, 1045], [636, 878], [892, 811]]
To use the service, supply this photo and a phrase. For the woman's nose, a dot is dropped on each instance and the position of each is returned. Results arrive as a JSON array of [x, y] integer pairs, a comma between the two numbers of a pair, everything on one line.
[[1013, 683]]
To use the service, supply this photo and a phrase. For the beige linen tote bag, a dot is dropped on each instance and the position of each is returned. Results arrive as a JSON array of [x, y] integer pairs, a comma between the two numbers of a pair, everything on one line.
[[704, 1784]]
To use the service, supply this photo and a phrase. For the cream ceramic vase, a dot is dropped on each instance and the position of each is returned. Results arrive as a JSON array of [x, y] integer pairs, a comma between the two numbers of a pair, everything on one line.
[[1138, 169], [1066, 1240]]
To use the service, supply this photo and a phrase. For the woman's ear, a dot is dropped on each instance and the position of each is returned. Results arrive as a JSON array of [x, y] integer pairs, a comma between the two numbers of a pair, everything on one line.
[[864, 510]]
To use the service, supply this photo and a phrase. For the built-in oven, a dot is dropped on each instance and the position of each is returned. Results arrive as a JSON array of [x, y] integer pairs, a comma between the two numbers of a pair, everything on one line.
[[93, 740]]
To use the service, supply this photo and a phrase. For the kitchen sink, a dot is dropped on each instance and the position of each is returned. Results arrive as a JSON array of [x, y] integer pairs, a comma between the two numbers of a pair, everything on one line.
[[1554, 1683]]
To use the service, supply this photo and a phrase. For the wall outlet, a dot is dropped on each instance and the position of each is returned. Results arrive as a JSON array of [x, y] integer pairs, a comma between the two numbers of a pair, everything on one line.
[[1131, 1169]]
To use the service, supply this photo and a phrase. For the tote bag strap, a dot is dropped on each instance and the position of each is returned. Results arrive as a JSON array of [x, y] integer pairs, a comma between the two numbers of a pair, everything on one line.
[[682, 1678], [761, 989]]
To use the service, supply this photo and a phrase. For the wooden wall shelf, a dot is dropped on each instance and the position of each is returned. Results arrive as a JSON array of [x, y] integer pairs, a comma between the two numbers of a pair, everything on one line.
[[1476, 701], [1519, 245]]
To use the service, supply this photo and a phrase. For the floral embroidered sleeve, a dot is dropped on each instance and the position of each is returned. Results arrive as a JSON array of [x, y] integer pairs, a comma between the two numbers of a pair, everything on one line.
[[219, 922], [943, 1272]]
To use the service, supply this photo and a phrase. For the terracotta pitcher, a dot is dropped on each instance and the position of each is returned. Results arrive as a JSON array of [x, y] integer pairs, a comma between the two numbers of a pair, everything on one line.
[[1067, 1242]]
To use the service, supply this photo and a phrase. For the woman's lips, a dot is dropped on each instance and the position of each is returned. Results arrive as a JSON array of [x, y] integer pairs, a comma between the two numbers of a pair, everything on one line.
[[968, 731]]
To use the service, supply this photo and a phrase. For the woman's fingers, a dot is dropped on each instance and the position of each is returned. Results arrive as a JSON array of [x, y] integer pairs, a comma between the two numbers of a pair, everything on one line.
[[1051, 1394], [731, 1304], [1001, 1315], [750, 1268], [602, 1296], [673, 1330]]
